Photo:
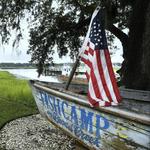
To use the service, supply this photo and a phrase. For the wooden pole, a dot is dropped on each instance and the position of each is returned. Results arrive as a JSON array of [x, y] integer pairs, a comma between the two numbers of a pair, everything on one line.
[[72, 73]]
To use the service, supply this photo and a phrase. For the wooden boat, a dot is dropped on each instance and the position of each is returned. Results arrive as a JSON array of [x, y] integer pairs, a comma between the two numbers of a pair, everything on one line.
[[75, 80], [122, 127]]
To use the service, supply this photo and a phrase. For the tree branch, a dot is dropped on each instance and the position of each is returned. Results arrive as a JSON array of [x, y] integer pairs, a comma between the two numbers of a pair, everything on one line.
[[83, 23], [119, 34]]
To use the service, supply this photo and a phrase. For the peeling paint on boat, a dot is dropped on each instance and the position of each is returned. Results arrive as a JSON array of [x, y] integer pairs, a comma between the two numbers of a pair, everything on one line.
[[94, 128]]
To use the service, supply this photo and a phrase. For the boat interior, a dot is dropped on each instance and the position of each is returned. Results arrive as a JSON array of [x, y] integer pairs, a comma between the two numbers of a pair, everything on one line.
[[132, 100]]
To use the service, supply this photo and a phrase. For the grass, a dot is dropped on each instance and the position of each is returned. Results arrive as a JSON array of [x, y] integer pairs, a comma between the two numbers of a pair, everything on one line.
[[16, 99]]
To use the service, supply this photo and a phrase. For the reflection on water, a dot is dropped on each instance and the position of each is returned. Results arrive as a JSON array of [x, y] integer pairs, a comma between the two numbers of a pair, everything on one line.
[[30, 74]]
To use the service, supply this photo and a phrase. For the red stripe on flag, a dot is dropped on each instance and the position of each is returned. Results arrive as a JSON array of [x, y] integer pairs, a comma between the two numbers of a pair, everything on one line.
[[100, 69], [112, 76], [95, 84], [86, 52], [97, 104], [94, 80], [92, 101], [87, 75], [91, 51]]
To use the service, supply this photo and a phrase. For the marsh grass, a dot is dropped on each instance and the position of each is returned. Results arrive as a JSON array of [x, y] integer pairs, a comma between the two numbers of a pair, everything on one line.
[[16, 99]]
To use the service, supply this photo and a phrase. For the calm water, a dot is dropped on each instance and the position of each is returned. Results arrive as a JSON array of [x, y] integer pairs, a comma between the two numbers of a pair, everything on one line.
[[30, 74]]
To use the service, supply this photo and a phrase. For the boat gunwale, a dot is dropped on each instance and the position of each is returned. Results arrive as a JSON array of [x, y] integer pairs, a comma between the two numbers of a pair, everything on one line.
[[140, 118]]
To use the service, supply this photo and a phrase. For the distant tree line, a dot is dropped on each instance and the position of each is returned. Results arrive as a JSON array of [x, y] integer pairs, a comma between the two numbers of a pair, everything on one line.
[[17, 65]]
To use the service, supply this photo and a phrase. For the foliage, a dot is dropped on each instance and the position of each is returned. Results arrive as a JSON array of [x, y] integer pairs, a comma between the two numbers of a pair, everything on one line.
[[63, 25], [15, 97], [66, 23], [17, 65]]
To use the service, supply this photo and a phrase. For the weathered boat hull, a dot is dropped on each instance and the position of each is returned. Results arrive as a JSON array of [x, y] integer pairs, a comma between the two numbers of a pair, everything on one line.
[[97, 128]]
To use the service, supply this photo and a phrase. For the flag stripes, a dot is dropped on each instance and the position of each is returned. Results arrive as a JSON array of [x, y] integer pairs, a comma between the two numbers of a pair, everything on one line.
[[103, 90]]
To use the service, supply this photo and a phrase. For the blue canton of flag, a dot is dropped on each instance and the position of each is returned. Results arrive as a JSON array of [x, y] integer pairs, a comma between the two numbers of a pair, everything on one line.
[[97, 33]]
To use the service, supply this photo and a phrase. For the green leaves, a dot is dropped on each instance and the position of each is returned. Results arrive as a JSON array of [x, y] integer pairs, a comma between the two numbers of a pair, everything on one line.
[[56, 25]]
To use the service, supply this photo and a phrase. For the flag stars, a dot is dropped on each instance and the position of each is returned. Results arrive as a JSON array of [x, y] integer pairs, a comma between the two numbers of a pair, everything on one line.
[[96, 35]]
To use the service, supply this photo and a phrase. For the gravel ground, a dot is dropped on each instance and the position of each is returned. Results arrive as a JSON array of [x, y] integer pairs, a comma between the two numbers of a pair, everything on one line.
[[34, 133]]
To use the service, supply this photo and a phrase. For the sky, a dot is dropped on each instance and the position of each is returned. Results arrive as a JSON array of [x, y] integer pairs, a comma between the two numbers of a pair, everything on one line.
[[18, 55], [10, 54]]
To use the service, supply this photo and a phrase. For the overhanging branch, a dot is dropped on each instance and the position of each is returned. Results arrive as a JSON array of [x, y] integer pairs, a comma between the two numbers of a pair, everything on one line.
[[119, 34]]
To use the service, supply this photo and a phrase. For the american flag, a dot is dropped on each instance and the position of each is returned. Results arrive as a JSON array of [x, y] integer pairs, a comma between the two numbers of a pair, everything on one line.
[[103, 90]]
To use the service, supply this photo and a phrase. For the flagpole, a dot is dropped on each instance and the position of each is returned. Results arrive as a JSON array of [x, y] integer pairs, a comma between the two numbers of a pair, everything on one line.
[[81, 51], [72, 73]]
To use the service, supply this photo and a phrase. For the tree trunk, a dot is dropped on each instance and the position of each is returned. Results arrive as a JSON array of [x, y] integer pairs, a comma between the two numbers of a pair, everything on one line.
[[137, 62]]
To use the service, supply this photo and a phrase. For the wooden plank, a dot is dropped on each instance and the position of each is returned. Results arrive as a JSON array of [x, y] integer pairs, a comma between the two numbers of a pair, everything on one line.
[[135, 94], [128, 102], [112, 110], [93, 127]]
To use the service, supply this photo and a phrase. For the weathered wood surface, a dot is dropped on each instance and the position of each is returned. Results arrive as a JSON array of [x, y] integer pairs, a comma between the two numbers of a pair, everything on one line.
[[134, 100], [102, 128]]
